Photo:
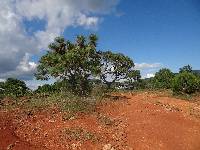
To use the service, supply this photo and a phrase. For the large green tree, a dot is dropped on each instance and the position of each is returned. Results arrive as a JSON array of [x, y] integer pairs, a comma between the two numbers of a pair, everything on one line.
[[74, 62], [78, 62]]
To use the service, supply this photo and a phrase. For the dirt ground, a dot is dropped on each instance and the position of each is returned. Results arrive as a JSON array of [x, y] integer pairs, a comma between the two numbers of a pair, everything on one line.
[[130, 121]]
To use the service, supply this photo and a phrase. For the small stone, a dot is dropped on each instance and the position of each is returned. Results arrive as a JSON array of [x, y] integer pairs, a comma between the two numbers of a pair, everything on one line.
[[108, 147]]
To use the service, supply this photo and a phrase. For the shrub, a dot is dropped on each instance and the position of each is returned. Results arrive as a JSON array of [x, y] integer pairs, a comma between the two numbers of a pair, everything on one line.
[[163, 79], [185, 83], [198, 78], [15, 88], [187, 68], [46, 88]]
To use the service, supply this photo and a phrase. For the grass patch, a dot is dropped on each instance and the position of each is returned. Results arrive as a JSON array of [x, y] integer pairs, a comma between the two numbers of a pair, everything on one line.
[[79, 134], [66, 102], [183, 96], [167, 106], [105, 120]]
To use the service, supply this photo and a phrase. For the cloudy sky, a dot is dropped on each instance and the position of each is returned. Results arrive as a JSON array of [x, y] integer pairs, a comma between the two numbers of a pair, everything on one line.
[[156, 33]]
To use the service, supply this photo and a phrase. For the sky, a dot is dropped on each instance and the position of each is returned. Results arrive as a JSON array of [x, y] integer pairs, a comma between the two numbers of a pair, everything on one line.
[[154, 33]]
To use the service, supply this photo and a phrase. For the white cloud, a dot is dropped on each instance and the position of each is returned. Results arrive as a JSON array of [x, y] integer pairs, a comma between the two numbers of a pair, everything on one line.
[[16, 45], [142, 66], [148, 70], [149, 75], [24, 70], [25, 65], [2, 80], [13, 40], [33, 84]]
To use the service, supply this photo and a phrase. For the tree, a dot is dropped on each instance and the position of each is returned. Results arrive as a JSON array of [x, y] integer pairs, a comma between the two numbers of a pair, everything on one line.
[[187, 68], [46, 88], [74, 62], [134, 76], [115, 67], [134, 79], [1, 90], [1, 85], [15, 87], [163, 78], [185, 83]]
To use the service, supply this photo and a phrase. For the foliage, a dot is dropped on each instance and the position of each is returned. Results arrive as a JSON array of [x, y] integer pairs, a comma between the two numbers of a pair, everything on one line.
[[79, 62], [163, 79], [134, 75], [185, 83], [115, 67], [45, 89], [187, 68], [1, 90], [75, 62], [134, 79], [14, 87]]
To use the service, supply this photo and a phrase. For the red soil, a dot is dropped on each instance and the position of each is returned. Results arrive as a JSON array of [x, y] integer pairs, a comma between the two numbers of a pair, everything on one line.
[[143, 121]]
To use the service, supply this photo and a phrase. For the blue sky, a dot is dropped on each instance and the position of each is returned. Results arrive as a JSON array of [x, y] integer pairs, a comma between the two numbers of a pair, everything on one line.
[[155, 34], [162, 31]]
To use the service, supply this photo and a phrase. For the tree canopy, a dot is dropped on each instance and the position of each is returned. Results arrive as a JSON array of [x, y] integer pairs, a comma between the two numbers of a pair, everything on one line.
[[115, 67], [75, 62], [185, 83], [78, 62], [187, 68], [163, 78], [13, 87]]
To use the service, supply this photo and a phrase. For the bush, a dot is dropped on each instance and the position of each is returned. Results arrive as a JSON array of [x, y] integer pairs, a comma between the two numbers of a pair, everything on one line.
[[46, 88], [185, 83], [14, 88], [163, 79], [198, 78]]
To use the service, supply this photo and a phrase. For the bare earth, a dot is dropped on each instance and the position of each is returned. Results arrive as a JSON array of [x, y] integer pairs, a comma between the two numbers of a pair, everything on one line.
[[131, 121]]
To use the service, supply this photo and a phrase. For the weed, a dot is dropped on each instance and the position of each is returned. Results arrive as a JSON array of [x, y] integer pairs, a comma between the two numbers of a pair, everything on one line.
[[105, 120], [167, 106], [68, 116], [79, 134]]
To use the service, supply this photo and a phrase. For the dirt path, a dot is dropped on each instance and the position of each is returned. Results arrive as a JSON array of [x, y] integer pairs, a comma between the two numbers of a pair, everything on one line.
[[142, 121], [159, 123], [8, 139]]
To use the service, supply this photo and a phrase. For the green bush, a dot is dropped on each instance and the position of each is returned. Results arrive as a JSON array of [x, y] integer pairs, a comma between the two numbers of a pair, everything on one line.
[[46, 88], [185, 83], [14, 88], [163, 79], [198, 78]]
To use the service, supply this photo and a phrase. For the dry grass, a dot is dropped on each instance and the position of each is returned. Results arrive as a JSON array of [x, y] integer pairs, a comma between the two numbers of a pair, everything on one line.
[[79, 134]]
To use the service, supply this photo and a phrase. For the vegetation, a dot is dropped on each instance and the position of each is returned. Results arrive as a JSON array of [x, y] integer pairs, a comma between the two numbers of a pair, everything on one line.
[[187, 68], [163, 79], [85, 74], [78, 62], [46, 88], [115, 67], [75, 62], [185, 83], [13, 87]]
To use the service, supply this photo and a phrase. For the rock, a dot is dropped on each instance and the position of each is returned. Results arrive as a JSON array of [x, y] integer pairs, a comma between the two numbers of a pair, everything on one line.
[[108, 147]]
